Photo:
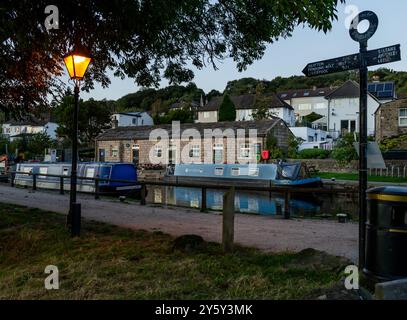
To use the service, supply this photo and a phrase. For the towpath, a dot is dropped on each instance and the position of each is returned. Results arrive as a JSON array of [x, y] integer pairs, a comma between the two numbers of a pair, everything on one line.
[[262, 232]]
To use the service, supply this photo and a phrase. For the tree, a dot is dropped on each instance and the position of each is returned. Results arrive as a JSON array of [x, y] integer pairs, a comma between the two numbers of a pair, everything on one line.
[[93, 118], [344, 151], [32, 145], [262, 103], [227, 110], [181, 115], [144, 40]]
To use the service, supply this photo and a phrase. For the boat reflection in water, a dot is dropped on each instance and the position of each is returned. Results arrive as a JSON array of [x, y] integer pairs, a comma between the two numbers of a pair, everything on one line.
[[245, 202]]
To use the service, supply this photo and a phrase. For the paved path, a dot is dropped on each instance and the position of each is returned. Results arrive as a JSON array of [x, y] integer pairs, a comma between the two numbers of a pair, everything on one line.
[[266, 233]]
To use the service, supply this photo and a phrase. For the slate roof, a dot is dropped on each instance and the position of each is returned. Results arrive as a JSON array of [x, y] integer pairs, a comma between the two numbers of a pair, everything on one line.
[[350, 89], [143, 132], [304, 93], [246, 101]]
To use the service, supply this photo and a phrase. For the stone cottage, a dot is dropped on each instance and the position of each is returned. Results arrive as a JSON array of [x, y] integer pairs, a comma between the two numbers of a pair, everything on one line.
[[391, 119], [220, 142]]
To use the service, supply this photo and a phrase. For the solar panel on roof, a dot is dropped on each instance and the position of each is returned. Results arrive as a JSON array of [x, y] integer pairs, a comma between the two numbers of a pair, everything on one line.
[[379, 87], [388, 87], [372, 87]]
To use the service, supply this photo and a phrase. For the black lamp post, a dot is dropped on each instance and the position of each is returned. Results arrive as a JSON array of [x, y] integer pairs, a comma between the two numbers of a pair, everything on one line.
[[76, 63]]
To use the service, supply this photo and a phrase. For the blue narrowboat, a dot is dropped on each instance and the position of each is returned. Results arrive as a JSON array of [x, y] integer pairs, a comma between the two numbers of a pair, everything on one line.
[[103, 170], [282, 174]]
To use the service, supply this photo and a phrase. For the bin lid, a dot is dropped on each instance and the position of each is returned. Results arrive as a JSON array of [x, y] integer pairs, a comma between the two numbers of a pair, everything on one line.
[[388, 193]]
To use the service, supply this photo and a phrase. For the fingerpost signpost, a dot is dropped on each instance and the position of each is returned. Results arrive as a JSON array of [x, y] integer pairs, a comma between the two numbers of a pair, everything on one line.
[[361, 61]]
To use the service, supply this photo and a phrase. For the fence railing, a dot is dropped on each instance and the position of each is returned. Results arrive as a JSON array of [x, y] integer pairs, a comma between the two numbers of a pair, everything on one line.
[[390, 171], [287, 191]]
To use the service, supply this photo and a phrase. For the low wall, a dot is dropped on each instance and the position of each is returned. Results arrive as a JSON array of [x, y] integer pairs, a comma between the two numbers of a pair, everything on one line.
[[330, 165]]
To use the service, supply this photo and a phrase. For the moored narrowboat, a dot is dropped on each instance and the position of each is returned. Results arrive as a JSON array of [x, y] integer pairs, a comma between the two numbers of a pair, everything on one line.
[[91, 170], [282, 174]]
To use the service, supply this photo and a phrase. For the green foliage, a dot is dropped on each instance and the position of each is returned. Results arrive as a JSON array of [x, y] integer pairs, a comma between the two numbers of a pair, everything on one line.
[[94, 117], [144, 40], [293, 144], [394, 143], [313, 154], [32, 145], [158, 100], [344, 152], [262, 104], [227, 110], [271, 145], [248, 85], [182, 115]]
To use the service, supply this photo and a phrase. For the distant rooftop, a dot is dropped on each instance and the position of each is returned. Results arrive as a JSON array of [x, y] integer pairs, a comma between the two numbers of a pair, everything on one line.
[[304, 93]]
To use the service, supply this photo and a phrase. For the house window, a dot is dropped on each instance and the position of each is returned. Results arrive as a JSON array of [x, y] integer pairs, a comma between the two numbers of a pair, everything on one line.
[[195, 151], [320, 105], [114, 152], [134, 121], [244, 151], [304, 106], [206, 115], [403, 117], [158, 152]]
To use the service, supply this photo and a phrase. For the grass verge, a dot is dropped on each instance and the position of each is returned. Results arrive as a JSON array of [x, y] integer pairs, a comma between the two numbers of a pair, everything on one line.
[[354, 177], [109, 262]]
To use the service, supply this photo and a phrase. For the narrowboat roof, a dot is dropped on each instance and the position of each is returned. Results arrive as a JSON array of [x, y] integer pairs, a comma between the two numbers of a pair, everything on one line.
[[143, 132]]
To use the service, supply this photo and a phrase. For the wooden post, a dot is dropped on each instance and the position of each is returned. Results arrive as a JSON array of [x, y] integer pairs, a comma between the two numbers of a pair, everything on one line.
[[203, 200], [34, 181], [12, 177], [61, 185], [143, 193], [228, 220], [97, 189], [287, 197]]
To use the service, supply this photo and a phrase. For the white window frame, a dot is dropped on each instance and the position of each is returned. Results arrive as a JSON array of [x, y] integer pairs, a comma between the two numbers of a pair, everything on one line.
[[304, 107], [206, 114], [404, 117], [115, 152], [195, 151], [244, 150], [158, 151]]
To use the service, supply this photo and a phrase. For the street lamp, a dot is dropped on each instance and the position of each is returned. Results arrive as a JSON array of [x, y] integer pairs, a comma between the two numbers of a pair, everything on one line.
[[76, 63]]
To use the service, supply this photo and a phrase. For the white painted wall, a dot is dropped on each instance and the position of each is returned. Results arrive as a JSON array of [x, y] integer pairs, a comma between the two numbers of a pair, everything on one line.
[[207, 116], [313, 138], [285, 114], [131, 119], [306, 105], [348, 109], [13, 130]]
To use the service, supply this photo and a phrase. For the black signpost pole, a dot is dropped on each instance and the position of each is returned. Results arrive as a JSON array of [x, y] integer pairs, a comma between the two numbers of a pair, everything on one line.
[[363, 74], [359, 61]]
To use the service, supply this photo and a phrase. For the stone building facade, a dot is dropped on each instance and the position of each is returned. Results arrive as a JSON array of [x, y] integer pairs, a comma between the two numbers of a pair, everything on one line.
[[223, 142], [391, 119]]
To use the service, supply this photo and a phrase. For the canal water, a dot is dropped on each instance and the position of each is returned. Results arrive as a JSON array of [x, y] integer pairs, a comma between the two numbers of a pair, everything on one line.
[[263, 203]]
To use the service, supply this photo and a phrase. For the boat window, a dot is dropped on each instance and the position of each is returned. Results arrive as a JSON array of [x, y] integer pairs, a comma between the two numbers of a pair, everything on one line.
[[105, 172], [65, 171], [90, 172], [235, 171], [219, 171], [254, 172], [27, 169], [43, 170]]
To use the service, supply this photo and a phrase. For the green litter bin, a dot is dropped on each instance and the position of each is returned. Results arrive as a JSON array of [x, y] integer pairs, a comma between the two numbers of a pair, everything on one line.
[[386, 233]]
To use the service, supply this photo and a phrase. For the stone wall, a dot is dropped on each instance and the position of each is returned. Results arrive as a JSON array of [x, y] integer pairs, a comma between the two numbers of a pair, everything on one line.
[[387, 120], [329, 165]]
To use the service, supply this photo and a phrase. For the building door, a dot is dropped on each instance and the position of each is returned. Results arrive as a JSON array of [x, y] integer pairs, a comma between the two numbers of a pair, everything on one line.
[[172, 154], [136, 154], [102, 154]]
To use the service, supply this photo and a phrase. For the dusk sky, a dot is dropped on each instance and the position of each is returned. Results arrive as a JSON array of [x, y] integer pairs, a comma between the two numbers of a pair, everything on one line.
[[289, 56]]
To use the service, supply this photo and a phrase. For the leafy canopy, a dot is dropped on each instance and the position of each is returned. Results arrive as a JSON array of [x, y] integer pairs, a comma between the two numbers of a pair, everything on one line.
[[139, 39], [227, 109], [93, 118]]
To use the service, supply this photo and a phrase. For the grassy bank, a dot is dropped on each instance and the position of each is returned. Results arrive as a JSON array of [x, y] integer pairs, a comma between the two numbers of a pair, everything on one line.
[[109, 262], [354, 177]]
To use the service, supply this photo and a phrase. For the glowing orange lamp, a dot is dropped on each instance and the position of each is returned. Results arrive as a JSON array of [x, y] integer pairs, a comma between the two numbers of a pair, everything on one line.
[[77, 64]]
